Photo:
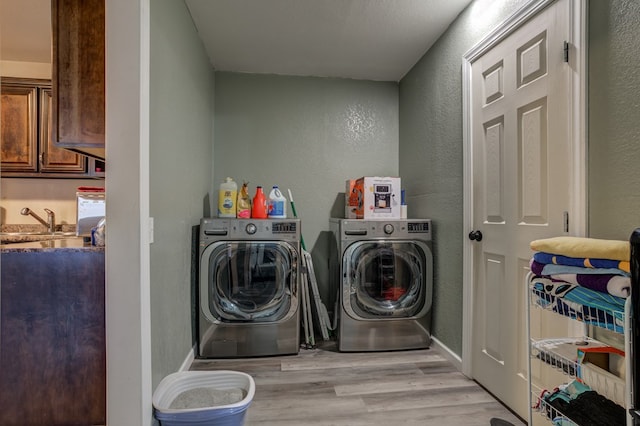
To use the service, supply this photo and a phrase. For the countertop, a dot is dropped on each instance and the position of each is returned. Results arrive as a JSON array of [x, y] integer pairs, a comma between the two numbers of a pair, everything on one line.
[[17, 228], [27, 238], [67, 244]]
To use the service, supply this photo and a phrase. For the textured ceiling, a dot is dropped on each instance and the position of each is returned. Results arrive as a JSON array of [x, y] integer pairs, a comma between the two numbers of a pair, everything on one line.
[[361, 39]]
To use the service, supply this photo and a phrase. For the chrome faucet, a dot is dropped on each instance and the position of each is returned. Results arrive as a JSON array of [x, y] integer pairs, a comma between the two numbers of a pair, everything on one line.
[[50, 223]]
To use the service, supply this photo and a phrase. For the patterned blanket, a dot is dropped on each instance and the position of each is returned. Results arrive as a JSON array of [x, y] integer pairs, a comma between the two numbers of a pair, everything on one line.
[[592, 307], [612, 281]]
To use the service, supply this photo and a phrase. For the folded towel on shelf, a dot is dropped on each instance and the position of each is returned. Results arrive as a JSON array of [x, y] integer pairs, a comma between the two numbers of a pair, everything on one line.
[[616, 285], [584, 247], [597, 300], [549, 258], [551, 287], [553, 269], [586, 314], [584, 407], [592, 307]]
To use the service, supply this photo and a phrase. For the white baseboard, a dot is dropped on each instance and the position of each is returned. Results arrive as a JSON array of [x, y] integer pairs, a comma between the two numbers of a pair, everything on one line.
[[447, 353], [186, 364]]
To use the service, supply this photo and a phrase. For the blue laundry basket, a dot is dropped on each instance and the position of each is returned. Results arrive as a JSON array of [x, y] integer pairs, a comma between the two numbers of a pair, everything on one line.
[[222, 415]]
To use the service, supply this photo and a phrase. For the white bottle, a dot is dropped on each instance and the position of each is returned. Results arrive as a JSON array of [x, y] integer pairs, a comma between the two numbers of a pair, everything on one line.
[[227, 198], [277, 204]]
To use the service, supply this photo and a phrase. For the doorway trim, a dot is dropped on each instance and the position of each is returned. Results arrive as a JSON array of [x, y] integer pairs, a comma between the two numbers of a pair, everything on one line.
[[578, 131]]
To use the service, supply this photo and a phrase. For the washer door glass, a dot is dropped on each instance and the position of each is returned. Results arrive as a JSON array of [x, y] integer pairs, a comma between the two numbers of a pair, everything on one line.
[[252, 281], [386, 279]]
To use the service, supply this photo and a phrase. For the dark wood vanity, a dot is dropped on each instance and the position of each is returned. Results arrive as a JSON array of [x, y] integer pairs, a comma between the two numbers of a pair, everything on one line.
[[52, 334]]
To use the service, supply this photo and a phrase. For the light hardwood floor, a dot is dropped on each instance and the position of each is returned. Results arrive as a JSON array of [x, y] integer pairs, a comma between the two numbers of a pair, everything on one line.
[[323, 387]]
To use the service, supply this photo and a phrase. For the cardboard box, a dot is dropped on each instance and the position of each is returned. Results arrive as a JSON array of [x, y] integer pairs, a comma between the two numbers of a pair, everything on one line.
[[350, 200], [377, 198], [607, 358]]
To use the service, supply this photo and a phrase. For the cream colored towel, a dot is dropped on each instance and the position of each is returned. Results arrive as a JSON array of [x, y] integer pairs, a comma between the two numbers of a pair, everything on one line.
[[584, 247]]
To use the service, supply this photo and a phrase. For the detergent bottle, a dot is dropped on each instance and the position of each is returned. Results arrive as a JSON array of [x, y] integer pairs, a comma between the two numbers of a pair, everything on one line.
[[259, 205], [244, 202], [227, 198], [277, 204]]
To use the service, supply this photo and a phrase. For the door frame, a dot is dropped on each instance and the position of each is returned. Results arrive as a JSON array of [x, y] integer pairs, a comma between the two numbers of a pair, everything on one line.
[[578, 132]]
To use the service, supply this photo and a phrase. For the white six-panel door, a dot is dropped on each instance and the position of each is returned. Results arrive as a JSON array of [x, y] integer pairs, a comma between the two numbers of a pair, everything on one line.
[[521, 156]]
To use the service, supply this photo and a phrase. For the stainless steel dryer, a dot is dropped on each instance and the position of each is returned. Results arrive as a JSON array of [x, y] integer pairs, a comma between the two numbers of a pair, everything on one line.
[[248, 291], [383, 277]]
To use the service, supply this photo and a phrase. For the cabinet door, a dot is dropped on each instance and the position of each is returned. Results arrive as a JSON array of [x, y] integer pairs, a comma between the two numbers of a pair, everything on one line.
[[19, 128], [52, 332], [52, 158], [78, 72]]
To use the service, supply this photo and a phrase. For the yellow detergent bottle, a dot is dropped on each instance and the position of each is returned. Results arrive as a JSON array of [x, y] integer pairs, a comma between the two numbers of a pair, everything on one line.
[[227, 198]]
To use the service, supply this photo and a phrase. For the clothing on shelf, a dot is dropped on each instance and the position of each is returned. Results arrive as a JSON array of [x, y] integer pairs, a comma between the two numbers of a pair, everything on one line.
[[587, 280]]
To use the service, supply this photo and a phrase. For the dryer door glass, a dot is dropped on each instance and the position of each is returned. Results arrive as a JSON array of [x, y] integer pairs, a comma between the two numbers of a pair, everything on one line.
[[252, 281], [385, 279]]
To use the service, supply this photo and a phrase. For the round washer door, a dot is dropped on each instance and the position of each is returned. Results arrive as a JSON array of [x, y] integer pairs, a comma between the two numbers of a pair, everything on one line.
[[252, 281], [387, 279]]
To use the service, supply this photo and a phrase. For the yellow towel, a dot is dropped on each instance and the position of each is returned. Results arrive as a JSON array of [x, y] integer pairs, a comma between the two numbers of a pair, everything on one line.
[[584, 247]]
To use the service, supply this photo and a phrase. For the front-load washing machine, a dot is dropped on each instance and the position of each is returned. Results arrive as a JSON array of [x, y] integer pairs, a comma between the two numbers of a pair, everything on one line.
[[383, 277], [248, 287]]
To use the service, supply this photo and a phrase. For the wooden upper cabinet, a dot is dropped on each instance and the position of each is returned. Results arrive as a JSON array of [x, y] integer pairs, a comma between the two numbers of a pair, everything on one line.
[[19, 131], [78, 76], [52, 158], [26, 143]]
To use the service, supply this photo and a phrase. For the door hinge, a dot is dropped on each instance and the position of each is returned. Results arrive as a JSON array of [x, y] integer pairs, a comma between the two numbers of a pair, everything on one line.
[[565, 49], [566, 221]]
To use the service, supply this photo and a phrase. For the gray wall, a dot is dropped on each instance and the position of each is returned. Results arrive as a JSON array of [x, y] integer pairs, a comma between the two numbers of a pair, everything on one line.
[[306, 134], [614, 118], [181, 135], [431, 154]]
